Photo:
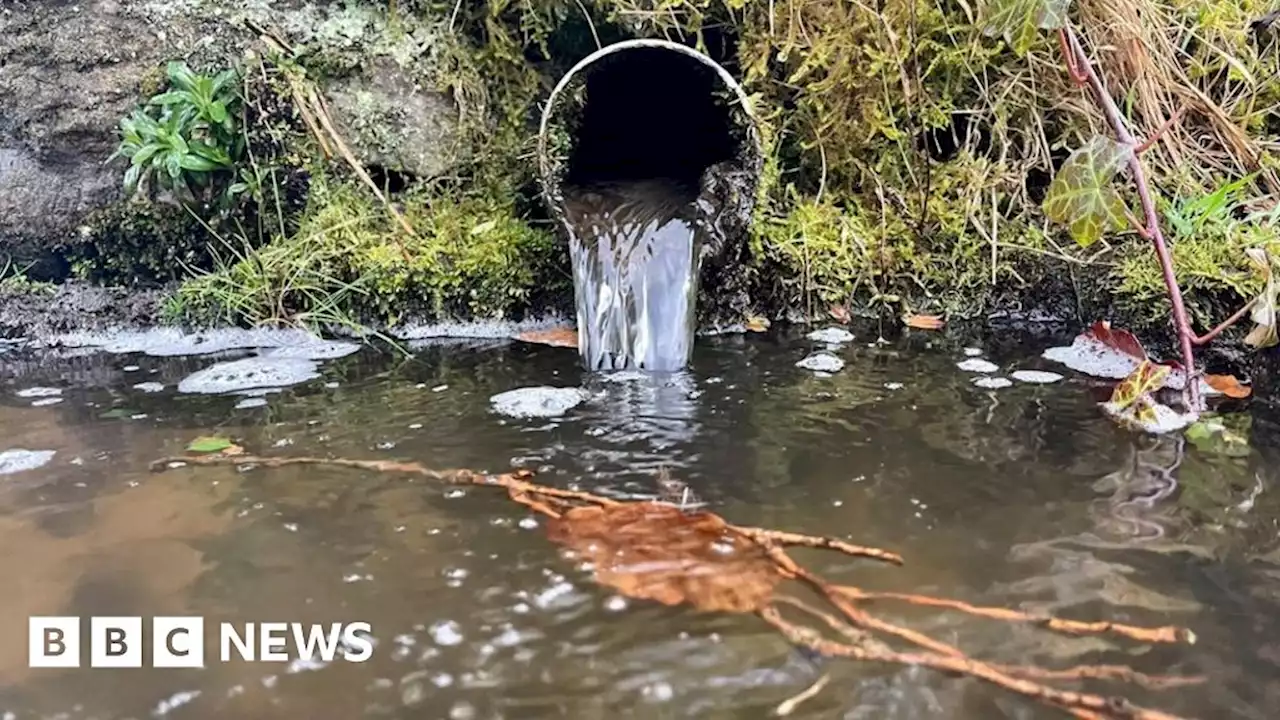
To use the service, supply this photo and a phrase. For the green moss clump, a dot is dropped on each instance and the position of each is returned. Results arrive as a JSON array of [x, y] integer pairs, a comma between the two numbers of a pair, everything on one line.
[[139, 243], [349, 261]]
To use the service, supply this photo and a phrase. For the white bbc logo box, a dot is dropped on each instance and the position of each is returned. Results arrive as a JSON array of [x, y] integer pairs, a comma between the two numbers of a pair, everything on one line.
[[55, 642]]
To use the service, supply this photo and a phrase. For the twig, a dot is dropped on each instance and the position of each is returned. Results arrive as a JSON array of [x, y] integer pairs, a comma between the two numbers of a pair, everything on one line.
[[1067, 700], [1166, 634], [789, 705], [769, 537], [1225, 324], [1078, 62]]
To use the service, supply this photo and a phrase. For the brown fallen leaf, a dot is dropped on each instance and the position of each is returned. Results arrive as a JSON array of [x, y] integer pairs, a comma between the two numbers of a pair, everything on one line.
[[923, 322], [233, 450], [840, 314], [655, 551], [1228, 385], [566, 337]]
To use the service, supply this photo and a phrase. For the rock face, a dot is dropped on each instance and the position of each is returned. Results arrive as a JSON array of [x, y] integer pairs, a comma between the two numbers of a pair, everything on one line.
[[70, 70], [392, 122], [68, 73]]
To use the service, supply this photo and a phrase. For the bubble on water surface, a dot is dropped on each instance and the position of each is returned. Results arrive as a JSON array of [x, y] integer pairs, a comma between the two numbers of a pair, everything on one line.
[[39, 392], [976, 365], [172, 342], [249, 373], [1039, 377], [174, 702], [446, 633], [537, 402], [19, 460], [831, 335]]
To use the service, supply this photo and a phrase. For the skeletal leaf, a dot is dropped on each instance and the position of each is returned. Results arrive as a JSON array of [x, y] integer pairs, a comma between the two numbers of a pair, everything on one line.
[[1019, 21], [656, 551], [1134, 391], [1082, 197], [1264, 332]]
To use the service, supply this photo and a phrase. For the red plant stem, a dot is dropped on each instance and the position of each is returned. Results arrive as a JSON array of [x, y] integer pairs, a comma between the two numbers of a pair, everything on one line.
[[1078, 61], [1205, 338]]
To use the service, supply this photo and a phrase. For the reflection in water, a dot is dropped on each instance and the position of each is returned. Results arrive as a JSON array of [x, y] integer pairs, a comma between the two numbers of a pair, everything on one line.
[[477, 615], [635, 268], [1139, 487]]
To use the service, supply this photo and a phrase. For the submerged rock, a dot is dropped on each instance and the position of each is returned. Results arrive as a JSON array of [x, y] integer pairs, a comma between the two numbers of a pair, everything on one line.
[[18, 460], [541, 401], [249, 373], [821, 362]]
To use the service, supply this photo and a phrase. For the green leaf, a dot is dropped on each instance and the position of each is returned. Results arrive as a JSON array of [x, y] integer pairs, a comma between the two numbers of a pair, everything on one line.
[[181, 75], [173, 164], [146, 153], [1019, 21], [1081, 195], [173, 97], [1264, 333], [197, 163], [218, 112], [209, 444], [223, 79], [131, 177], [211, 153]]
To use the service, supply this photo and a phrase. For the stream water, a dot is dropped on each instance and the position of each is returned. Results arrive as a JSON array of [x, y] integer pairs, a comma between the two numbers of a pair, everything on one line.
[[1025, 496]]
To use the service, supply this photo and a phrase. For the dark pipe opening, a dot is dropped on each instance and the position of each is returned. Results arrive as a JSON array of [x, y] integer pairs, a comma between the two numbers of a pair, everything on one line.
[[651, 113]]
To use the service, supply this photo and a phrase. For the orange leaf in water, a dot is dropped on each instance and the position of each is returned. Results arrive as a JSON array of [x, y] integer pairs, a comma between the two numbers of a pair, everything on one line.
[[655, 551], [756, 323], [1228, 385], [566, 337], [840, 314], [923, 322]]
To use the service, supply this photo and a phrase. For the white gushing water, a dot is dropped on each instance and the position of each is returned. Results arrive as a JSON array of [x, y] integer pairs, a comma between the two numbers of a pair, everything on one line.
[[634, 249]]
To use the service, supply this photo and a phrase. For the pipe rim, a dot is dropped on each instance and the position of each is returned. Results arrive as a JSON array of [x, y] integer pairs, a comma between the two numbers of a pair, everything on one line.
[[550, 186]]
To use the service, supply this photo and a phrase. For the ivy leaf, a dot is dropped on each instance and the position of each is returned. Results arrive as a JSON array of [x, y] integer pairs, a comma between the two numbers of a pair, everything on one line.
[[1019, 21], [1264, 333], [1135, 390], [209, 444], [1081, 196]]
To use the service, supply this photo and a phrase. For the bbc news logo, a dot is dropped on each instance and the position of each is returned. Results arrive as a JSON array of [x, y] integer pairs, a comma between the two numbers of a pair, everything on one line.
[[179, 642]]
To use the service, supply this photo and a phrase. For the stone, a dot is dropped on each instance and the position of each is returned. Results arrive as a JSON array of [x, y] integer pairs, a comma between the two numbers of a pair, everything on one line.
[[392, 122]]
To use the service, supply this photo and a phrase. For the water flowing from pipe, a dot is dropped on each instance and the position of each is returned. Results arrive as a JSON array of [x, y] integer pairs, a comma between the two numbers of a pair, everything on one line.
[[634, 247]]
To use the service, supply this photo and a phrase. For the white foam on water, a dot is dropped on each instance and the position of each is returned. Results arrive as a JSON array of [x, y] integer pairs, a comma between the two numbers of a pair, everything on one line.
[[172, 342], [541, 401], [972, 352], [977, 365], [251, 402], [149, 387], [18, 460], [1040, 377], [992, 383], [249, 373], [821, 362], [493, 329], [38, 392], [831, 336], [46, 402]]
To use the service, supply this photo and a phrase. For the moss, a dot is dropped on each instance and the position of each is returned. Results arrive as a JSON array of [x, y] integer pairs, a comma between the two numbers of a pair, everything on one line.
[[135, 243], [472, 256]]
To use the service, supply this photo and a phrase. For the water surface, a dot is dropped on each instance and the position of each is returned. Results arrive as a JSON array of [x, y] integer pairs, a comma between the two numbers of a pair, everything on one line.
[[1026, 497]]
